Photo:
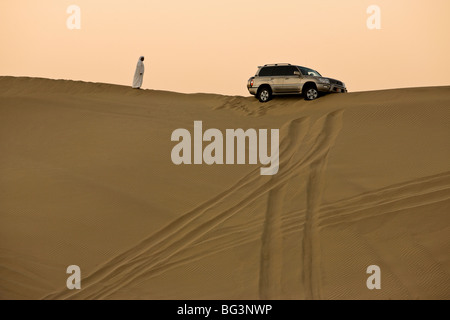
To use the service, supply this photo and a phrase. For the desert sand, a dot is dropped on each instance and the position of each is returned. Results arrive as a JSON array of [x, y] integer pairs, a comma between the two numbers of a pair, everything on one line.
[[86, 179]]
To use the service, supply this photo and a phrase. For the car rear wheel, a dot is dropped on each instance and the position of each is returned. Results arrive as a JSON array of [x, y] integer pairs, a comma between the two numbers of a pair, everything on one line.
[[264, 94], [311, 93]]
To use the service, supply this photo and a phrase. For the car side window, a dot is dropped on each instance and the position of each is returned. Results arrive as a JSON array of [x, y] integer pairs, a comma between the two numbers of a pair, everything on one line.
[[291, 70], [285, 71], [304, 71], [266, 72], [277, 71]]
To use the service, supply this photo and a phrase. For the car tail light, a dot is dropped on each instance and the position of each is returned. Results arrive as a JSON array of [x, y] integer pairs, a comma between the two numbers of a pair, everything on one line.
[[251, 83]]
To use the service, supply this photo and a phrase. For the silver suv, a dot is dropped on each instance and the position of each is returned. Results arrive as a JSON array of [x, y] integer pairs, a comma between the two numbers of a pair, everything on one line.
[[277, 79]]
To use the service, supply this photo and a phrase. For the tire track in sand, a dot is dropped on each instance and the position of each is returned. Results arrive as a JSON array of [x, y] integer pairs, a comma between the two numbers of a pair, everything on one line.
[[435, 189], [118, 264], [326, 135], [294, 221], [311, 238], [321, 134], [137, 263], [271, 242]]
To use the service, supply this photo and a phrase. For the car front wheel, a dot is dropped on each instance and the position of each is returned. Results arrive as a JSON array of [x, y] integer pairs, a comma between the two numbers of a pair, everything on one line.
[[311, 93]]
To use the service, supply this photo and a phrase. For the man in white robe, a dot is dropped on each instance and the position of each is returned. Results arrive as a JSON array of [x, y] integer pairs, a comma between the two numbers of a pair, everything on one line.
[[139, 74]]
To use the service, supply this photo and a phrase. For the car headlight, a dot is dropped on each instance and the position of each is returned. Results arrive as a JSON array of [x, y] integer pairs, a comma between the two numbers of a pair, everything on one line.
[[324, 80]]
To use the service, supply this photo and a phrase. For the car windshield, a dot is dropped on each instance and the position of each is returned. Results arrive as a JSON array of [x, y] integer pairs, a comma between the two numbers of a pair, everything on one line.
[[309, 72]]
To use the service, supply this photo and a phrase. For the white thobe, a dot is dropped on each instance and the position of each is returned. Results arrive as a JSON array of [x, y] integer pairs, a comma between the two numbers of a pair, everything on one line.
[[138, 74]]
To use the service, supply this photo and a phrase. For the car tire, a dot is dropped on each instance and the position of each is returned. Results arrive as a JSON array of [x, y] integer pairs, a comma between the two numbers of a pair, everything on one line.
[[310, 92], [264, 94]]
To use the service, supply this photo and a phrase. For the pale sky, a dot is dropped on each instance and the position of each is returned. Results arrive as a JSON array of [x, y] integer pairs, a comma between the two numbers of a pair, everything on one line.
[[215, 46]]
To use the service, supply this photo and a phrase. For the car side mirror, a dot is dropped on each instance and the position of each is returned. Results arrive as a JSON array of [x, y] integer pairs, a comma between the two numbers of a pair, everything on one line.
[[297, 73]]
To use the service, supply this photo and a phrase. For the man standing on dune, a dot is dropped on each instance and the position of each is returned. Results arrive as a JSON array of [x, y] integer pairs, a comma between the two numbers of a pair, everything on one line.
[[139, 74]]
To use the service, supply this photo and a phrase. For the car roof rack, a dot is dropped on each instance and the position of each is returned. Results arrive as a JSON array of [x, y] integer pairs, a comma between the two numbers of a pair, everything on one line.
[[277, 64]]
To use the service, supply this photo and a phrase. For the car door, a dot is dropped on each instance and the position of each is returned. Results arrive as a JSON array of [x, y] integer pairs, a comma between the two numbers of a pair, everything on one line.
[[292, 82], [277, 79]]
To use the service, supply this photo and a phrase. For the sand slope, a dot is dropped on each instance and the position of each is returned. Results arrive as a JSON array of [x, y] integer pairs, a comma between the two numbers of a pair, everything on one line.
[[86, 178]]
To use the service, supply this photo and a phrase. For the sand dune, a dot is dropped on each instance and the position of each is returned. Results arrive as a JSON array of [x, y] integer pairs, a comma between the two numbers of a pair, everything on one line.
[[86, 179]]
